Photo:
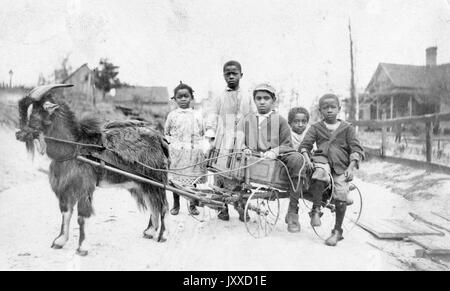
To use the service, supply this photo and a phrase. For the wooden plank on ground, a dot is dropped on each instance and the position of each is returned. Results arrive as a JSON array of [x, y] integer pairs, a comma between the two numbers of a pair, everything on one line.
[[396, 228], [433, 221], [445, 216], [433, 245]]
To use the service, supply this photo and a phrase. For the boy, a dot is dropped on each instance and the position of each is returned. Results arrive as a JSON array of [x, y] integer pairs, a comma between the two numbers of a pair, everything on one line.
[[268, 133], [225, 112], [338, 152], [298, 118]]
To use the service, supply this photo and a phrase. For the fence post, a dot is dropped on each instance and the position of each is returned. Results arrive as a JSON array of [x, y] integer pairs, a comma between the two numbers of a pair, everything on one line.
[[383, 135], [428, 141]]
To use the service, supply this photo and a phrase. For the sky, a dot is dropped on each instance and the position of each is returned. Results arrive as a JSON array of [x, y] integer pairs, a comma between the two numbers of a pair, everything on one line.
[[300, 45]]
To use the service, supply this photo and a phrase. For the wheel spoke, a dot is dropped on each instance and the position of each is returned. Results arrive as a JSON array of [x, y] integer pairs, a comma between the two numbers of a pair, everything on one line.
[[259, 204]]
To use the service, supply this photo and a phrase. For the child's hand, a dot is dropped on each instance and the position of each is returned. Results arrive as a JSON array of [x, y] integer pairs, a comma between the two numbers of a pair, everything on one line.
[[348, 175], [309, 166], [349, 172], [270, 155], [247, 152]]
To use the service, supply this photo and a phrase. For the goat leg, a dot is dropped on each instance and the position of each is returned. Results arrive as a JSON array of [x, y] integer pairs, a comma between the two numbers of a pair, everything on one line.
[[63, 237], [82, 248]]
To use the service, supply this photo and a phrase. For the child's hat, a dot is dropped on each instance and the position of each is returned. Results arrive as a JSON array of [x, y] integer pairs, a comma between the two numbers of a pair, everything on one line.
[[265, 87]]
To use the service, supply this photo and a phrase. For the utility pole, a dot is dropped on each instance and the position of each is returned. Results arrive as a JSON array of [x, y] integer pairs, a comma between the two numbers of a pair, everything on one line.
[[10, 78], [353, 114]]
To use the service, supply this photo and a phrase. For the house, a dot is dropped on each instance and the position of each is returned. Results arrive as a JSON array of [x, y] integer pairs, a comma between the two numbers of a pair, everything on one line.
[[83, 80], [153, 100], [401, 90]]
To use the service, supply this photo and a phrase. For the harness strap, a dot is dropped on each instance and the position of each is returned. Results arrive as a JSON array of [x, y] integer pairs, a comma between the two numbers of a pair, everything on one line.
[[74, 142]]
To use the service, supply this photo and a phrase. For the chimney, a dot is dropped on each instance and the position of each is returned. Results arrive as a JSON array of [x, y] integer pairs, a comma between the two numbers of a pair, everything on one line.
[[431, 55]]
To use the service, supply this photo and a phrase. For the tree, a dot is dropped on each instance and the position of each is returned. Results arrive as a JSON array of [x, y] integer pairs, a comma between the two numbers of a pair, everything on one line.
[[63, 71], [106, 76], [42, 80]]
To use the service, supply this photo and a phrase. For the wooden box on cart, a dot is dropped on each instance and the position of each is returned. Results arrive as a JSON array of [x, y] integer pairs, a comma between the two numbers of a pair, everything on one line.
[[266, 172]]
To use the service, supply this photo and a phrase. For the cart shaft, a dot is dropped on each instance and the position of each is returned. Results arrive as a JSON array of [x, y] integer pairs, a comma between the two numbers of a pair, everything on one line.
[[154, 183]]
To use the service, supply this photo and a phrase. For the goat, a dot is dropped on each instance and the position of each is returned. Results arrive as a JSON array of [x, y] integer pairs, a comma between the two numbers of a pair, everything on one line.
[[129, 145]]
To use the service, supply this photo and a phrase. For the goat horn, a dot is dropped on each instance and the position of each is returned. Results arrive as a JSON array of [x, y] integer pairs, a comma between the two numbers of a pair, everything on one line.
[[38, 92]]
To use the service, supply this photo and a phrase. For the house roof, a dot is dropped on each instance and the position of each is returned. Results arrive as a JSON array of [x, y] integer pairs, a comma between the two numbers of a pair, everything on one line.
[[155, 94], [76, 71], [415, 77], [426, 83]]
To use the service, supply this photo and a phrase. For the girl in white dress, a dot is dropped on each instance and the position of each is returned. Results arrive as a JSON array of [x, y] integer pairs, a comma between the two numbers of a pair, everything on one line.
[[184, 131]]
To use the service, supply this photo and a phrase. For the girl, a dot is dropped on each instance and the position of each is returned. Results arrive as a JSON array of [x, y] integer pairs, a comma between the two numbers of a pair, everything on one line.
[[184, 131]]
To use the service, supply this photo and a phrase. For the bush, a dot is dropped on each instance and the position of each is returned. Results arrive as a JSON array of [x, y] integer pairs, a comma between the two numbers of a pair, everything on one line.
[[9, 115]]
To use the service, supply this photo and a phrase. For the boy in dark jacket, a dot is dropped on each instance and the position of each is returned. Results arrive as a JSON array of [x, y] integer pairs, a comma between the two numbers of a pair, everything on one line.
[[338, 153], [269, 134]]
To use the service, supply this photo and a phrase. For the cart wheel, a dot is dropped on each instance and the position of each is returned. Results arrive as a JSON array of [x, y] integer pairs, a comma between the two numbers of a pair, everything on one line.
[[261, 213], [352, 215], [354, 211]]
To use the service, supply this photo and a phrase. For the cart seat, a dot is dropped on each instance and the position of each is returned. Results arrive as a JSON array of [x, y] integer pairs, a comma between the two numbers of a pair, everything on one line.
[[271, 173]]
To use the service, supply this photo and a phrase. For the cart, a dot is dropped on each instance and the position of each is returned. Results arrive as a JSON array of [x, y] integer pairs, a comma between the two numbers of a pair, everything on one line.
[[251, 184]]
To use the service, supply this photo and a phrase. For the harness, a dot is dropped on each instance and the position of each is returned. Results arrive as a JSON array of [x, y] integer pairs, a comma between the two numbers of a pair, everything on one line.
[[76, 151]]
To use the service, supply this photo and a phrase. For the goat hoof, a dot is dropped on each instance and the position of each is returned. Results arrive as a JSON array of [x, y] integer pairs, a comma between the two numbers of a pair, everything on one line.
[[147, 236], [82, 253], [59, 242], [56, 247], [161, 240]]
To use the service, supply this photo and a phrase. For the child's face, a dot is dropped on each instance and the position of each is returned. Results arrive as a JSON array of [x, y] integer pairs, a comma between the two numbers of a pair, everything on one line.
[[232, 76], [264, 102], [183, 98], [330, 109], [299, 123]]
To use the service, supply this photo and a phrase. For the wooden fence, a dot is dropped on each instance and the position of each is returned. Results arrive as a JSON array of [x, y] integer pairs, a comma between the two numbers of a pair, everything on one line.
[[428, 120]]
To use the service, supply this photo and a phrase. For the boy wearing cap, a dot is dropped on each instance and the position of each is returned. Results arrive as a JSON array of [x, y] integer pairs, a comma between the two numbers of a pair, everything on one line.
[[268, 133], [338, 153]]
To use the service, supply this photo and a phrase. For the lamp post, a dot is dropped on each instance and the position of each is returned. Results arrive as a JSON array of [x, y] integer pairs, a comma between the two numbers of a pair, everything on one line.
[[10, 78]]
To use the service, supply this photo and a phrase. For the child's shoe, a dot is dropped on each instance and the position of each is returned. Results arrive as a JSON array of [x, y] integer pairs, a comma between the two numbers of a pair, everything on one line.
[[315, 217], [223, 214], [291, 209], [336, 235], [176, 205], [193, 210], [241, 216], [292, 222]]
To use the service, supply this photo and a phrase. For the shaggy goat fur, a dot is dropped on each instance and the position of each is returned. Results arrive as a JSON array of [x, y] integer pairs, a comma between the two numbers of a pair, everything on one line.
[[127, 146]]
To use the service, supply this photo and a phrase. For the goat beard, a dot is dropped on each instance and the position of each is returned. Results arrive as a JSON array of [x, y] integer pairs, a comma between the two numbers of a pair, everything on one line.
[[30, 149], [41, 145]]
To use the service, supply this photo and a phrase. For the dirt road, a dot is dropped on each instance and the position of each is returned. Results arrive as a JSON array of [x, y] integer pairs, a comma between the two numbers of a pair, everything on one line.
[[30, 220]]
